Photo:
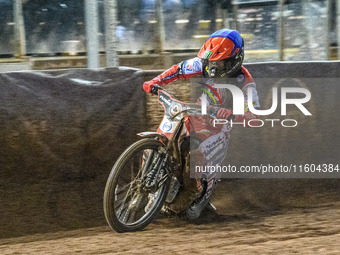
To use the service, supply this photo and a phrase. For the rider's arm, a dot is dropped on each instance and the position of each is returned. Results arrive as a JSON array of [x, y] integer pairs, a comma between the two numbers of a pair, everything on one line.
[[183, 70], [248, 84]]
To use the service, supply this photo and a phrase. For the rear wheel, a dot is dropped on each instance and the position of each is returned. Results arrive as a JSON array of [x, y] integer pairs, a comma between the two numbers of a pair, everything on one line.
[[137, 186]]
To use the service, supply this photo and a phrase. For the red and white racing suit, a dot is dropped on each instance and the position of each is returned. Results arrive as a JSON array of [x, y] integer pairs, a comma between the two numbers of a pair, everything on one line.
[[195, 68]]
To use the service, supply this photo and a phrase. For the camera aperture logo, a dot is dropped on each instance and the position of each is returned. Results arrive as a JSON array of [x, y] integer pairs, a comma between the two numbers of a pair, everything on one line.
[[209, 93], [239, 105]]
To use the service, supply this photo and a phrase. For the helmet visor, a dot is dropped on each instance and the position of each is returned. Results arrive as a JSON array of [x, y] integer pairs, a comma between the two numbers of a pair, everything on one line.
[[224, 68], [216, 68]]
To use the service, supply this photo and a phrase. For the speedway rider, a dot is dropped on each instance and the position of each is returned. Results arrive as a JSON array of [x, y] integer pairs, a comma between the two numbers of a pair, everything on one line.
[[221, 56]]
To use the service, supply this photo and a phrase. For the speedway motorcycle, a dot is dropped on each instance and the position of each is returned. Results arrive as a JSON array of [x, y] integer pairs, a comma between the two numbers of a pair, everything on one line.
[[142, 181]]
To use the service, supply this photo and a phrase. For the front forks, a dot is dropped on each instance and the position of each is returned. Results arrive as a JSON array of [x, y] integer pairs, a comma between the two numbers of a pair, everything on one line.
[[151, 178], [160, 172]]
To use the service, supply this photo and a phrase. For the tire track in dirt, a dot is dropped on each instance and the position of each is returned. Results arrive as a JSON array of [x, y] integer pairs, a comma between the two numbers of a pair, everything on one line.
[[305, 230]]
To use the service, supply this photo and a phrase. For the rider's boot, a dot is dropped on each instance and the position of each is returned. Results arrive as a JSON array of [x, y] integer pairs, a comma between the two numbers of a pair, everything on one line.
[[183, 200], [201, 202]]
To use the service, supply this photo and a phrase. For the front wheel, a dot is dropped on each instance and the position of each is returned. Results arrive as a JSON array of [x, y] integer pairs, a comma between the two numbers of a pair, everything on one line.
[[137, 186]]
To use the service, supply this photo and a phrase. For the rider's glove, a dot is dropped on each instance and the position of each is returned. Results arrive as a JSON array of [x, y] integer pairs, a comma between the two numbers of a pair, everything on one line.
[[147, 86], [224, 113]]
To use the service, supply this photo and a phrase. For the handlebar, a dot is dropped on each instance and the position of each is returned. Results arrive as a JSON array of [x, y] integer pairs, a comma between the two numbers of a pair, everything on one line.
[[155, 89], [213, 109], [184, 111]]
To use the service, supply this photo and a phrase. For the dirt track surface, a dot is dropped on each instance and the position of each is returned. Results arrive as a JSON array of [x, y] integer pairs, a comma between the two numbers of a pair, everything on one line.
[[306, 230]]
